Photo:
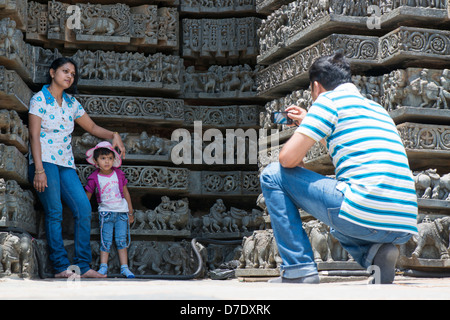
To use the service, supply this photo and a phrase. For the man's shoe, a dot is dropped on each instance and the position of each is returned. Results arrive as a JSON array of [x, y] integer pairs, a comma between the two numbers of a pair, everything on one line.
[[385, 259], [313, 279]]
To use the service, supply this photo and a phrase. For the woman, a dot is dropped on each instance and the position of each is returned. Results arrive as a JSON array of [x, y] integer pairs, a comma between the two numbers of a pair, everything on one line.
[[52, 117]]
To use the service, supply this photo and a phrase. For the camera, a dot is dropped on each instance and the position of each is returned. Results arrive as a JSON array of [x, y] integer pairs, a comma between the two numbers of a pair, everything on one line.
[[280, 117]]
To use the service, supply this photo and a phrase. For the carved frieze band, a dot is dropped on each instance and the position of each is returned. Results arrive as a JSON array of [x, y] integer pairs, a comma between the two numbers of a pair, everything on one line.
[[14, 93], [139, 147], [12, 130], [174, 217], [425, 137], [224, 40], [149, 177], [174, 111], [411, 41], [102, 69], [224, 82], [293, 25], [97, 69], [419, 45], [183, 181], [142, 26], [217, 6], [222, 116], [13, 164], [293, 70], [16, 206], [169, 110]]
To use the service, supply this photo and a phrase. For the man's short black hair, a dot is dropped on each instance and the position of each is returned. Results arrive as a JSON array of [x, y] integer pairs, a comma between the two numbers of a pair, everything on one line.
[[102, 152], [330, 71]]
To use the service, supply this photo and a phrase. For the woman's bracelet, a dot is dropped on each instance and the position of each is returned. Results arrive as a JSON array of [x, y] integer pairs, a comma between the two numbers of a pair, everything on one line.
[[39, 171], [115, 132]]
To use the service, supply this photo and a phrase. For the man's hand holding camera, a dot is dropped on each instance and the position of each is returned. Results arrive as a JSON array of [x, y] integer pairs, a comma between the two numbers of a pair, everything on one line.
[[296, 113]]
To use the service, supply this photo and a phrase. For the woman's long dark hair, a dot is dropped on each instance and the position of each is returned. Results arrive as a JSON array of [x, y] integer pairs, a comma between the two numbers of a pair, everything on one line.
[[58, 63]]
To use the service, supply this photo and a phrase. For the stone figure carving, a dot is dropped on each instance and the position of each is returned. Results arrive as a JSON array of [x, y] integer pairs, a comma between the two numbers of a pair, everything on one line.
[[320, 238], [160, 258], [153, 145], [13, 164], [220, 79], [431, 92], [16, 206], [292, 18], [168, 215], [15, 255], [144, 256], [220, 38], [260, 251], [431, 233], [128, 67], [135, 144], [424, 88], [235, 220], [9, 254], [177, 257], [430, 185], [104, 20], [110, 24], [394, 89], [10, 123], [172, 214], [11, 39]]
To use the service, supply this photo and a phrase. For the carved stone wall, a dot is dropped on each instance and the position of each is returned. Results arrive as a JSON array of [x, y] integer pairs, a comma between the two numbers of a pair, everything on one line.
[[146, 70], [150, 69], [399, 53]]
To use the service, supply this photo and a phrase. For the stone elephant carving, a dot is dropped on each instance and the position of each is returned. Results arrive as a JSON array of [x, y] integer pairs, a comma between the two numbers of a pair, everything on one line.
[[435, 233], [260, 251], [320, 238]]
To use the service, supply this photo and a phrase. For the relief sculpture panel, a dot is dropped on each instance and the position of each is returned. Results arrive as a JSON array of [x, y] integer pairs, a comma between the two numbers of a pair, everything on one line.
[[223, 40], [100, 26]]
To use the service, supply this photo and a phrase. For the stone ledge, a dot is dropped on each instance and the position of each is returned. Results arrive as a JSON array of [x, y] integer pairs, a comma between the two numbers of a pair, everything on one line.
[[403, 47], [103, 26], [324, 24]]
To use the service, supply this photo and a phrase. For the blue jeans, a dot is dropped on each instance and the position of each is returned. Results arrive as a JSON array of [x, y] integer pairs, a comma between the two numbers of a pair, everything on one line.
[[64, 184], [287, 189], [110, 221]]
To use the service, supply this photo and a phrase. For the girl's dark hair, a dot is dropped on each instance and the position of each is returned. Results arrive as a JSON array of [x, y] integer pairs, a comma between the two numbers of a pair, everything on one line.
[[102, 152], [58, 63], [330, 71]]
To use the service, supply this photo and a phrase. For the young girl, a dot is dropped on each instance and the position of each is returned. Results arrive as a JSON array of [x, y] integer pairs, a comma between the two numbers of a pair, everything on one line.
[[114, 203]]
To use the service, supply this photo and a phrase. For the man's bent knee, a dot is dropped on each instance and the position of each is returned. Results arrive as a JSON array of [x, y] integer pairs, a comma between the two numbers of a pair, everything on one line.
[[269, 172]]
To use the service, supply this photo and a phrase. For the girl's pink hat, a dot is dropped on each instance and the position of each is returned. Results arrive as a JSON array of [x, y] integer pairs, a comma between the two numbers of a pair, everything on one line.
[[104, 144]]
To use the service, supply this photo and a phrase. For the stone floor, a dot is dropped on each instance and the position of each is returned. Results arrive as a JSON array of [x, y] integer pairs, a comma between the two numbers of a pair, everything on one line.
[[404, 288]]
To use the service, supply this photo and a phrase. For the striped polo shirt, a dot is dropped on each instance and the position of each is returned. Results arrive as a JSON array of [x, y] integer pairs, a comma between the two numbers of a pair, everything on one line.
[[369, 159]]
